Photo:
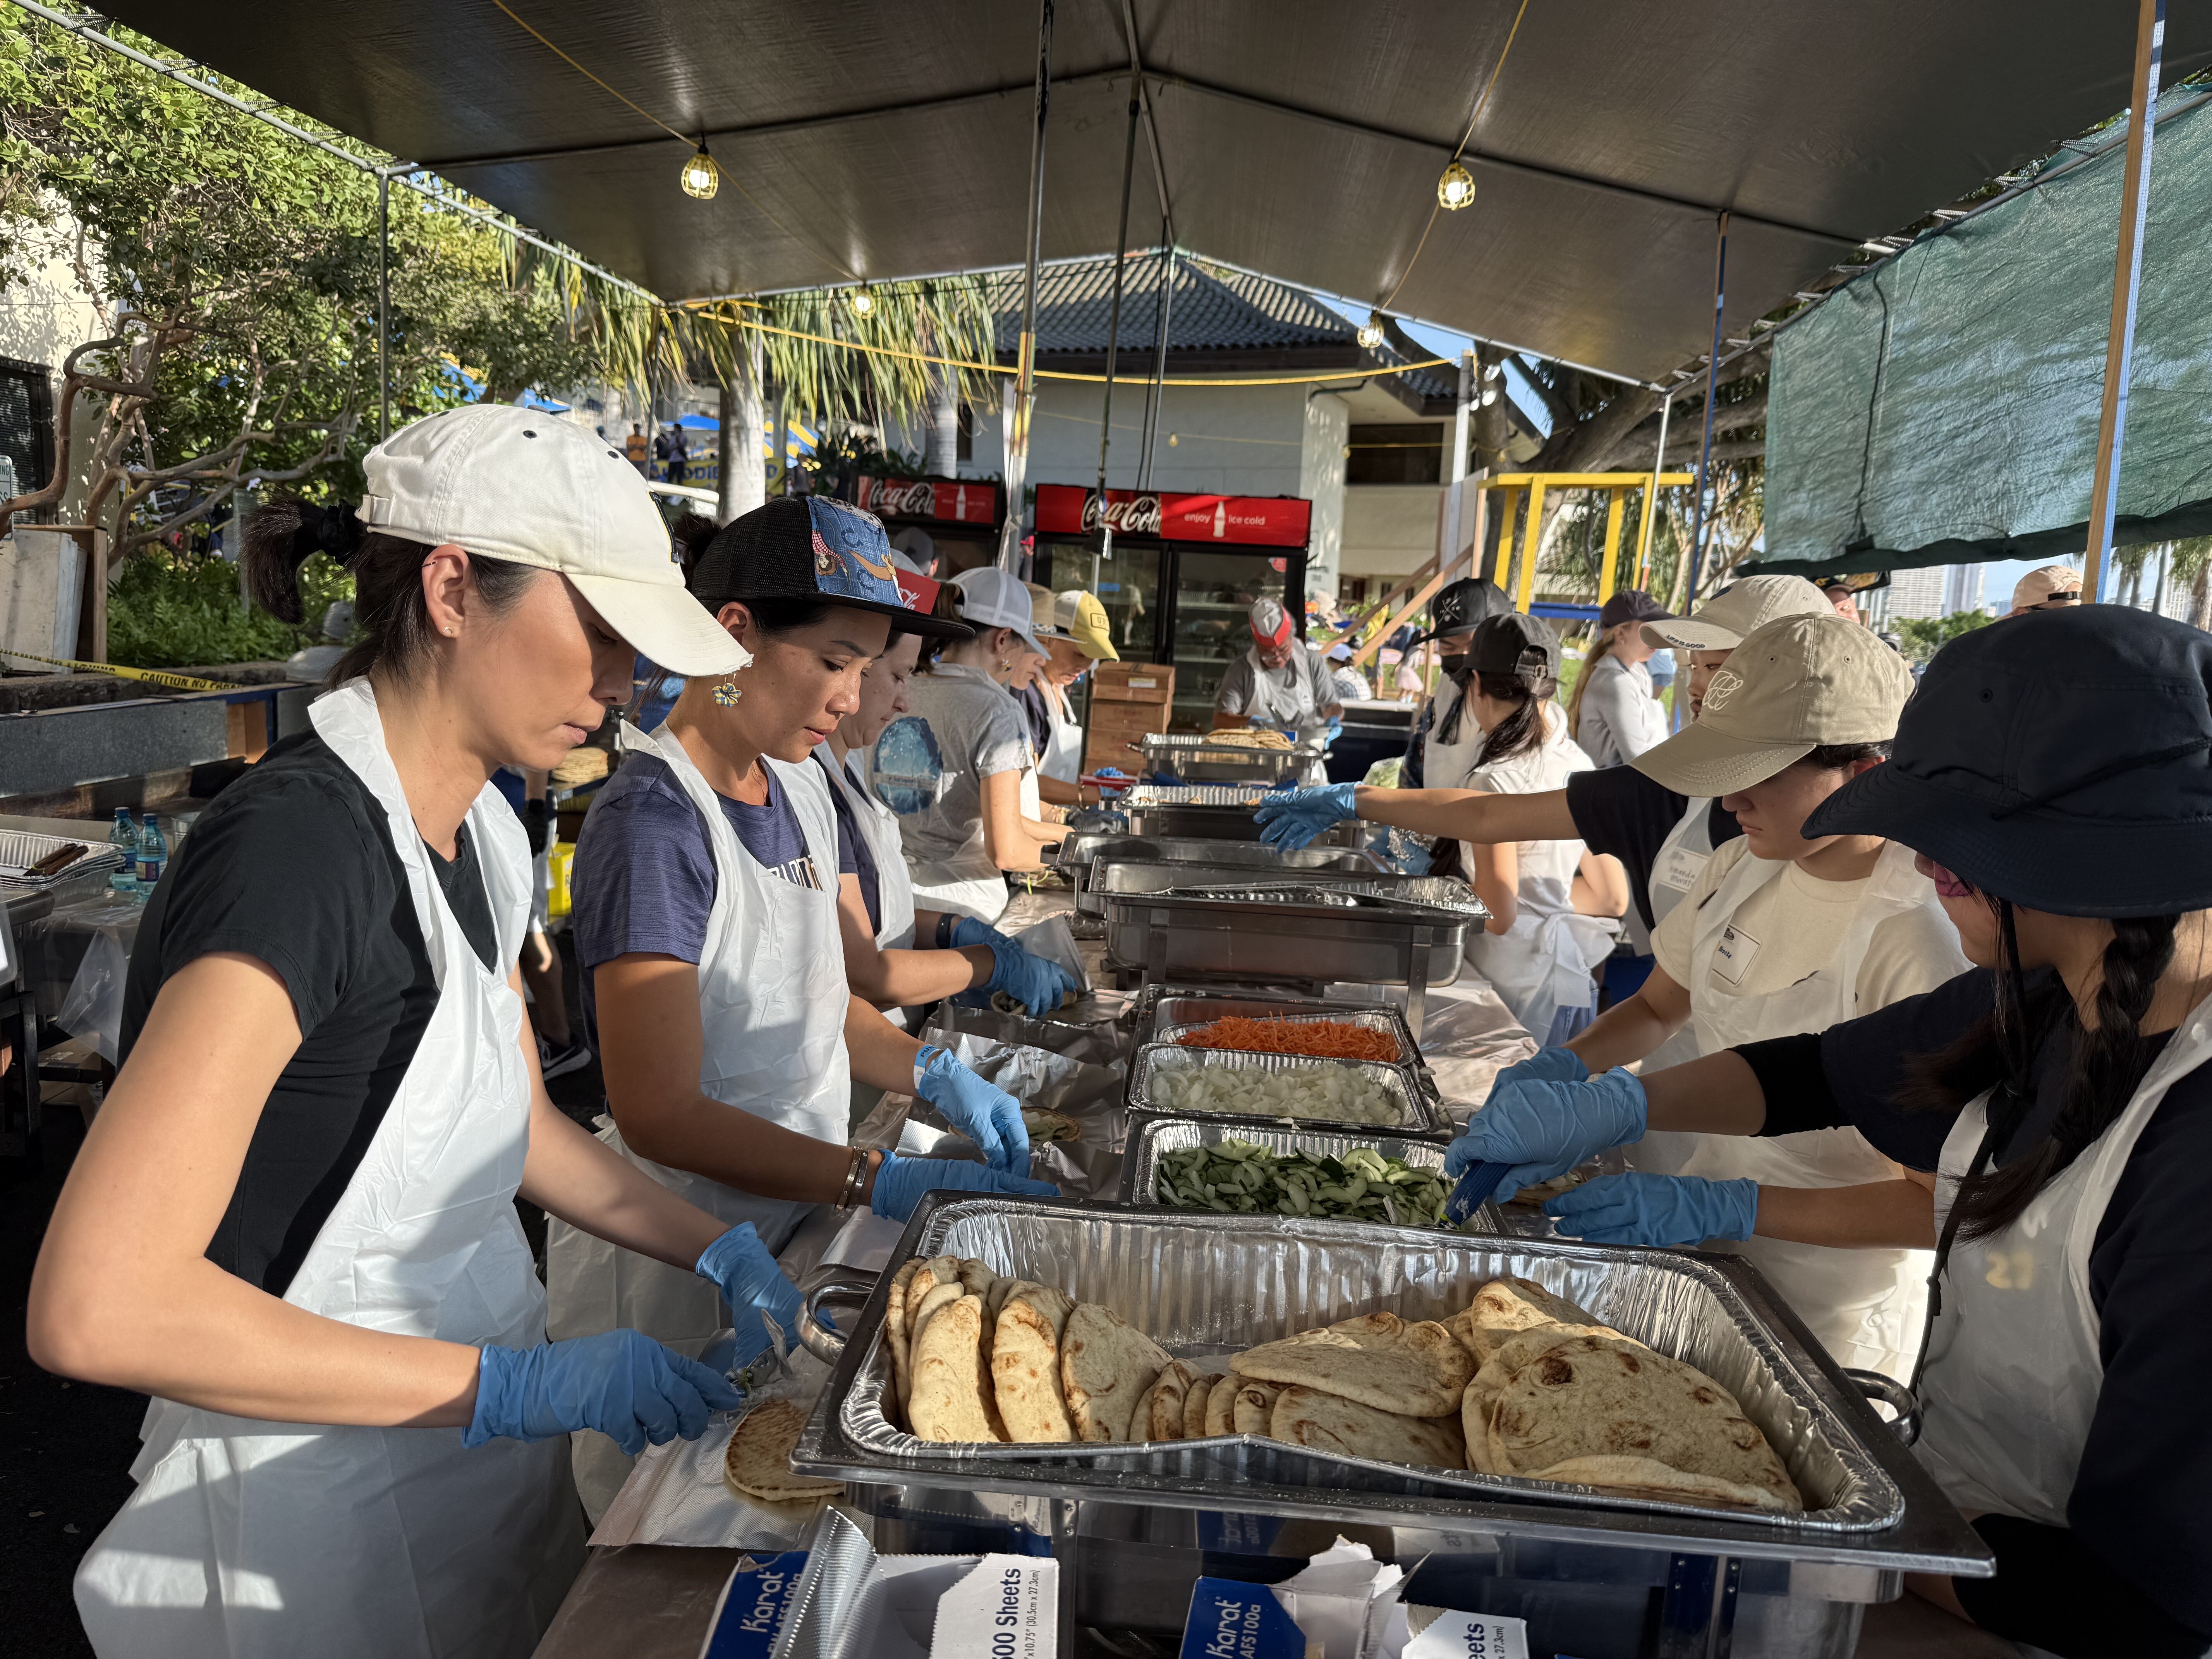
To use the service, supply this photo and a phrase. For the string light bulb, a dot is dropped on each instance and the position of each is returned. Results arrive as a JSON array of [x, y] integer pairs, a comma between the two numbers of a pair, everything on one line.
[[1370, 331], [1455, 188], [701, 177], [863, 301]]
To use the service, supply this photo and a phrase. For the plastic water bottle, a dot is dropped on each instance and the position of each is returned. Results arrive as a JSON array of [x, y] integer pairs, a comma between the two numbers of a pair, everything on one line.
[[153, 854], [123, 835]]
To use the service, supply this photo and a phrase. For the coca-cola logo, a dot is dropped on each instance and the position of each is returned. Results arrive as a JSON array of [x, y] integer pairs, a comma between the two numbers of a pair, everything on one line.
[[908, 498], [1132, 515]]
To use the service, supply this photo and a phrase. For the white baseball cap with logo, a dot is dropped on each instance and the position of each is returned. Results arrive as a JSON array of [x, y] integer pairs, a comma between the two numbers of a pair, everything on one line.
[[1723, 621], [521, 485], [990, 598]]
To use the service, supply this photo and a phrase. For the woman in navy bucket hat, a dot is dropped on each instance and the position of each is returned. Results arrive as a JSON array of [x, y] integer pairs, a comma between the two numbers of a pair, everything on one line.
[[2052, 1107]]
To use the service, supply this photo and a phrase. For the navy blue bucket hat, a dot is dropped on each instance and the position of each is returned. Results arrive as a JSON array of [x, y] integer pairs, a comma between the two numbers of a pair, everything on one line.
[[2062, 760]]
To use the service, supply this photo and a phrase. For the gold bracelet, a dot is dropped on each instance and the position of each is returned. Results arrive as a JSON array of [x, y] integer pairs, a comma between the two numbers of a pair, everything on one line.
[[850, 1194]]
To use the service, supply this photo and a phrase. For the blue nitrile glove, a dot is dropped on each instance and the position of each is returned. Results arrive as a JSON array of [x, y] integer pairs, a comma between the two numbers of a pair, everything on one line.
[[1335, 731], [620, 1383], [902, 1182], [1545, 1129], [739, 1265], [967, 931], [1545, 1065], [1293, 819], [1036, 982], [987, 1115], [1642, 1208], [1105, 772]]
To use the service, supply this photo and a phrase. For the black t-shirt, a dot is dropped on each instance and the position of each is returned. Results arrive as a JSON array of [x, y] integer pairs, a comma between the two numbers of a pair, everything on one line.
[[2131, 1572], [294, 865], [1616, 810]]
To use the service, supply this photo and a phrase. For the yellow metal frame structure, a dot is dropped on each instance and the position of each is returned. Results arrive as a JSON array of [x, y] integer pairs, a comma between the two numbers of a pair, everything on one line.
[[1513, 487]]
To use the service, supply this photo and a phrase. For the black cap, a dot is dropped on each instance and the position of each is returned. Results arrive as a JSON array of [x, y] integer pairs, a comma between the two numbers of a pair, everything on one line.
[[1631, 605], [813, 548], [1459, 605], [2062, 760], [1521, 647]]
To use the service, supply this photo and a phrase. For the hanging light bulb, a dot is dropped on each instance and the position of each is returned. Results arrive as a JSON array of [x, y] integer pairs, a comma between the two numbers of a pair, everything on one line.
[[1455, 189], [701, 177], [863, 301], [1370, 331]]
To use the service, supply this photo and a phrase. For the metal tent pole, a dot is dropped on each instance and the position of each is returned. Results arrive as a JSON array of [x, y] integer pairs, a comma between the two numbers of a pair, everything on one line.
[[2127, 280], [1114, 340], [1017, 433], [1651, 497], [383, 305], [1165, 318], [1705, 451], [1456, 471]]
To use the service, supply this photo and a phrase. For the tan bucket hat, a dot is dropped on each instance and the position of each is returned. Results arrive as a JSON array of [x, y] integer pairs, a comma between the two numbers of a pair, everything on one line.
[[1794, 685]]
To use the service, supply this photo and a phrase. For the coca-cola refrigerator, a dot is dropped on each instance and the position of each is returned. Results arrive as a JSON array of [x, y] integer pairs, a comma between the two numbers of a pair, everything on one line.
[[962, 515], [1179, 585]]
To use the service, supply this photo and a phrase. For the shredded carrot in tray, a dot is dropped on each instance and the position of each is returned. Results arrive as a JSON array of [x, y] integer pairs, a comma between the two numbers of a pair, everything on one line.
[[1327, 1039]]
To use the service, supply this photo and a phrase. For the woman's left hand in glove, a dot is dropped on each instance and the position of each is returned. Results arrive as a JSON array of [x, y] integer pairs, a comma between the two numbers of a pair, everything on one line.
[[1640, 1207]]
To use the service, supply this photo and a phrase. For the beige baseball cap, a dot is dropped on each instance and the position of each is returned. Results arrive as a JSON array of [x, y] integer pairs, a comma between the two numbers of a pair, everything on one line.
[[520, 484], [2040, 588], [1083, 619], [1722, 621], [1795, 683]]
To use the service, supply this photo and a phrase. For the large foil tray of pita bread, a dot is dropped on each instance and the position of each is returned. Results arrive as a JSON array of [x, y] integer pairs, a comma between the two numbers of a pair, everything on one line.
[[1155, 1137], [1207, 1285], [1419, 1117]]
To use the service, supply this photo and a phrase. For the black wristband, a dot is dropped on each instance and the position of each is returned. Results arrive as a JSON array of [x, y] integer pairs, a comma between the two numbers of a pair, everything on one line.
[[945, 930]]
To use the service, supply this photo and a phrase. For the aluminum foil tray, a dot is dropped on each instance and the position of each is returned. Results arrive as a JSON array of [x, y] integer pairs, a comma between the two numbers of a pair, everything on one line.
[[22, 848], [1207, 1285], [1419, 1117], [1153, 1137], [1224, 814], [1158, 1007], [1201, 757], [1180, 1023], [1190, 860], [1142, 795]]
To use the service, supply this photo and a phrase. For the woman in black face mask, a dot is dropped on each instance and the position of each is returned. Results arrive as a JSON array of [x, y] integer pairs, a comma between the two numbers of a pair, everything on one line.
[[1447, 745]]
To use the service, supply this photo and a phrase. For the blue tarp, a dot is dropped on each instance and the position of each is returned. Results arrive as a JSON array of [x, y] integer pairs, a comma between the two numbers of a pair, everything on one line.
[[1943, 408]]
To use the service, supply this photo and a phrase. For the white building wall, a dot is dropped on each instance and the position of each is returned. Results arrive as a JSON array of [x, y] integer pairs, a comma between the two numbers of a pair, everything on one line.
[[1390, 530], [1320, 481], [46, 316]]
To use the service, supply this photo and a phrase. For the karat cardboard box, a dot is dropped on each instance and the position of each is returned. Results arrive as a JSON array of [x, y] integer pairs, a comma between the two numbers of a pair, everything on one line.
[[1133, 682], [1113, 726]]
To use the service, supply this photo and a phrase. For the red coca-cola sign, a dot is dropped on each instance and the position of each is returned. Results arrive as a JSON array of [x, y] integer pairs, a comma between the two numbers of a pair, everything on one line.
[[1251, 520], [949, 500]]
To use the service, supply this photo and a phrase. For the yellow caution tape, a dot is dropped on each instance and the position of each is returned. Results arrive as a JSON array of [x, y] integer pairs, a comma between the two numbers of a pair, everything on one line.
[[151, 676]]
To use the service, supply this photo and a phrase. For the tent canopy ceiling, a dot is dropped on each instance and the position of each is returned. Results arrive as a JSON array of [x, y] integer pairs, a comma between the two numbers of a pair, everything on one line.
[[868, 140]]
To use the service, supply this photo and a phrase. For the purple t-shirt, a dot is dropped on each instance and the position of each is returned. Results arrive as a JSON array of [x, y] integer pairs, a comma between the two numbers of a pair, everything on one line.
[[644, 876]]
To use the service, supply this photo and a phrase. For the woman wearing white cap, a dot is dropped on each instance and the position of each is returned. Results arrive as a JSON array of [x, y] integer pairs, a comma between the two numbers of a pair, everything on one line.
[[956, 769], [294, 1224]]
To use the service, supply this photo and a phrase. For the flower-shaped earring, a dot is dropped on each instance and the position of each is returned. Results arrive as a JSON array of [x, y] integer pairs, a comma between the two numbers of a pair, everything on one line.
[[727, 693]]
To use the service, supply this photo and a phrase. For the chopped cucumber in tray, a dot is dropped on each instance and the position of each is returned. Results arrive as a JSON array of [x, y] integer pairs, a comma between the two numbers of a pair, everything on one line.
[[1361, 1186]]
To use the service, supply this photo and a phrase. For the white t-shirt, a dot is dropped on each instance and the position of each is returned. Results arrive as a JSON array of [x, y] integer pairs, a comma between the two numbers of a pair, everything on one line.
[[1799, 921]]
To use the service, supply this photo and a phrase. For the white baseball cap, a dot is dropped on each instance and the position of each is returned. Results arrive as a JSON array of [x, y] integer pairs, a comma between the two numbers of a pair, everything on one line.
[[520, 484], [990, 598], [1725, 621]]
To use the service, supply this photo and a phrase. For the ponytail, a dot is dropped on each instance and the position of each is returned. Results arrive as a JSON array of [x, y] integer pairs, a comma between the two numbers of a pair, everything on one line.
[[1600, 648], [1521, 730], [393, 620]]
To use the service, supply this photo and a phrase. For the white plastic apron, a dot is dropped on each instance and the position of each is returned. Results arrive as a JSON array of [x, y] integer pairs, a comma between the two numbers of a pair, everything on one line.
[[1865, 1306], [1674, 872], [772, 1003], [880, 827], [253, 1538], [1446, 765], [1063, 749], [2013, 1367], [1275, 703]]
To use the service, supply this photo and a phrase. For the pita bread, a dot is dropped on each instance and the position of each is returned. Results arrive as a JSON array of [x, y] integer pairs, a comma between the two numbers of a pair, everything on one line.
[[1416, 1368], [895, 1331], [1170, 1400], [1593, 1396], [1499, 1369], [1194, 1404], [1025, 1364], [1254, 1405], [758, 1460], [938, 1270], [1105, 1368], [1325, 1422], [1506, 1305], [952, 1396], [1221, 1404], [1642, 1477], [938, 1296], [1044, 1126]]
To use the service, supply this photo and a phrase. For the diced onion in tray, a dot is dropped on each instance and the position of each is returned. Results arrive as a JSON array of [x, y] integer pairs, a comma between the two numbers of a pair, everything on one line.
[[1339, 1092]]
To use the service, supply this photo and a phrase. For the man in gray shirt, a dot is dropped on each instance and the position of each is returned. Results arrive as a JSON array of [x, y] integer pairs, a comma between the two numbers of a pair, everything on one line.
[[1281, 681]]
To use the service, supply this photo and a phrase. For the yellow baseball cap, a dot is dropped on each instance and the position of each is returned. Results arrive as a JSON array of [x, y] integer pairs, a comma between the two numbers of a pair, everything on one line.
[[1083, 619]]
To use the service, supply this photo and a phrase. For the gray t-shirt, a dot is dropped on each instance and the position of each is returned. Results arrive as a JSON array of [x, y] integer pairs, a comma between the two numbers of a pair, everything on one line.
[[960, 727], [1297, 692], [1620, 717]]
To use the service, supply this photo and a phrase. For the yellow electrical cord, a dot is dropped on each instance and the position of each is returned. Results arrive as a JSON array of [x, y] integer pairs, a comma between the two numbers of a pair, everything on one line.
[[1488, 88]]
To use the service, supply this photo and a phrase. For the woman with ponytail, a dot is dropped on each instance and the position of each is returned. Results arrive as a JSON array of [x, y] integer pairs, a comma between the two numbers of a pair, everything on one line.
[[2051, 1110], [294, 1224], [1553, 905]]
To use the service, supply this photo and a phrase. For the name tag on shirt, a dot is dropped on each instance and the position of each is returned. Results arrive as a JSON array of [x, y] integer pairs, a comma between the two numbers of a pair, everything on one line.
[[1679, 869], [1733, 955]]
